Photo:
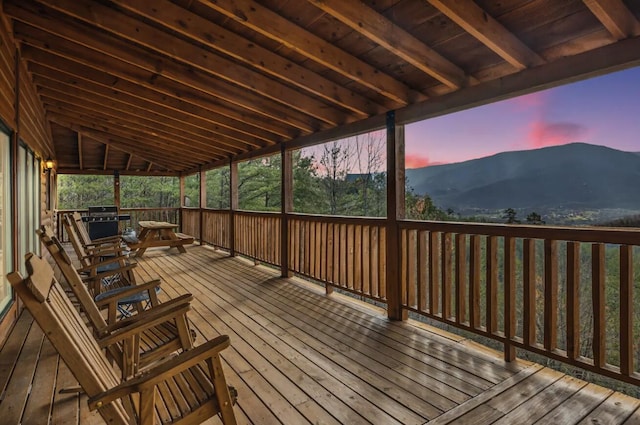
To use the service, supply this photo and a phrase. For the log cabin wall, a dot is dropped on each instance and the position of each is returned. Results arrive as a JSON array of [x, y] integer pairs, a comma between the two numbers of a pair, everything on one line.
[[23, 118]]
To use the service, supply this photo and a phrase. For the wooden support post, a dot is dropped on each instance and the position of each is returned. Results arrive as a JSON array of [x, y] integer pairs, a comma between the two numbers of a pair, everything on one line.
[[233, 205], [181, 192], [286, 193], [395, 212], [203, 203], [116, 189]]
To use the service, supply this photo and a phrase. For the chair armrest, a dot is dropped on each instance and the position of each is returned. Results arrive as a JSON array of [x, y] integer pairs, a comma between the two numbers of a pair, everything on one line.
[[126, 292], [167, 369], [161, 309], [142, 322], [107, 239], [105, 262]]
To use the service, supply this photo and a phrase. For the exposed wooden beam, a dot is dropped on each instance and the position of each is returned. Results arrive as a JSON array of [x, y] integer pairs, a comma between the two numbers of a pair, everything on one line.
[[90, 80], [149, 166], [121, 142], [157, 145], [396, 40], [268, 23], [155, 129], [474, 20], [222, 69], [216, 37], [129, 162], [616, 17], [116, 57]]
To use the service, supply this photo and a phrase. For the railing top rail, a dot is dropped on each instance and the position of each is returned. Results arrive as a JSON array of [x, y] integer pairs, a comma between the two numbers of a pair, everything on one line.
[[610, 235], [371, 221]]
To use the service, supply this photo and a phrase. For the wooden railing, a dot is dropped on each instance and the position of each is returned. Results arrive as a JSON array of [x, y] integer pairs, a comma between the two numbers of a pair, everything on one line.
[[565, 293], [216, 228], [190, 221], [344, 252], [171, 215], [257, 235]]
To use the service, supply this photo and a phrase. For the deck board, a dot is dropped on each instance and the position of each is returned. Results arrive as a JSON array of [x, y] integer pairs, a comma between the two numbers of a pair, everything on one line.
[[299, 356]]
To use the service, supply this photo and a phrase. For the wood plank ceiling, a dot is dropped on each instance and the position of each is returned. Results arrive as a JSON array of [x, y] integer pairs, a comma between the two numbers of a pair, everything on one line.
[[171, 86]]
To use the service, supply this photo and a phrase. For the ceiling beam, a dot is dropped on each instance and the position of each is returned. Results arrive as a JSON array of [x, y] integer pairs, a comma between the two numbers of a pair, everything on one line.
[[396, 40], [229, 43], [68, 38], [218, 67], [98, 82], [269, 24], [129, 162], [134, 117], [616, 17], [474, 20], [124, 142]]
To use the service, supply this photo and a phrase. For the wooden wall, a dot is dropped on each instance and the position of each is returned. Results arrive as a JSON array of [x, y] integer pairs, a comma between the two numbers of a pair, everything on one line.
[[27, 122]]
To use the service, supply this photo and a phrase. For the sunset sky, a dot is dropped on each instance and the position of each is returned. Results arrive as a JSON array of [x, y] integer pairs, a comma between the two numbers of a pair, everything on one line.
[[603, 111]]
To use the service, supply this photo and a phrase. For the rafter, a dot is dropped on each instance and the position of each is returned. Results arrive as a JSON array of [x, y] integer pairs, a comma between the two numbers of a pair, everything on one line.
[[268, 23], [123, 60], [216, 37], [129, 159], [396, 40], [468, 15], [125, 142], [616, 17], [136, 118], [220, 68]]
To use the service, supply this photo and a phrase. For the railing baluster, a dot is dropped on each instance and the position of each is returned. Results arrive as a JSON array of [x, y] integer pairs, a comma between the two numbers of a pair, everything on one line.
[[573, 300], [529, 291], [550, 295], [423, 277], [626, 310], [509, 297], [447, 252], [474, 281], [461, 277], [434, 265], [492, 284], [598, 280]]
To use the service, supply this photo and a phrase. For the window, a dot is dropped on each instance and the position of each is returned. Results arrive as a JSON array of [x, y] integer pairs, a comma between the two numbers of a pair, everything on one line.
[[5, 219]]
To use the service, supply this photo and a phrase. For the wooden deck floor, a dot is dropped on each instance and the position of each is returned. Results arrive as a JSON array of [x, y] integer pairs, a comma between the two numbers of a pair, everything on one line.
[[298, 357]]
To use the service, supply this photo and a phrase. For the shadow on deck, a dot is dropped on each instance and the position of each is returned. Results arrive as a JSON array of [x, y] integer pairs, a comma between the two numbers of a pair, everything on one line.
[[298, 356]]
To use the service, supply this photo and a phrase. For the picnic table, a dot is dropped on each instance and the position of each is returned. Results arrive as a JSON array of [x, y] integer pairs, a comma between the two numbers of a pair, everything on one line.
[[159, 233]]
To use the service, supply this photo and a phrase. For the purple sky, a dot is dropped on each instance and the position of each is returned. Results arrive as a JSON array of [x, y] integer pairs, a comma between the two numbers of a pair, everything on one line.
[[602, 111]]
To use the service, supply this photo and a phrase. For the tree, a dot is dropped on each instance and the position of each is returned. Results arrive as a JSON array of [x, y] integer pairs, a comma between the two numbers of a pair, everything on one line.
[[510, 216], [534, 218]]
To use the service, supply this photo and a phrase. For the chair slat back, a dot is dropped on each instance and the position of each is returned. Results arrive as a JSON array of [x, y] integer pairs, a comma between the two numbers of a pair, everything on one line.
[[64, 327], [79, 288], [81, 229], [78, 247]]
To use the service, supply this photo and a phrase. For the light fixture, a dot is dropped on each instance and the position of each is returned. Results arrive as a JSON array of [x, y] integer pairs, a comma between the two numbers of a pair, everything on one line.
[[48, 164]]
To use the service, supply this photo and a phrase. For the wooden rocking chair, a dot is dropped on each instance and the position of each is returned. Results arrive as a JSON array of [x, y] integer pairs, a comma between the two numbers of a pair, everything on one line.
[[154, 333], [101, 262], [187, 389]]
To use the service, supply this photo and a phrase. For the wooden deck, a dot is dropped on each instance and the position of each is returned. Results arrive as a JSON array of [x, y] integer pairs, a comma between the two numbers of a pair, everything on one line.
[[299, 357]]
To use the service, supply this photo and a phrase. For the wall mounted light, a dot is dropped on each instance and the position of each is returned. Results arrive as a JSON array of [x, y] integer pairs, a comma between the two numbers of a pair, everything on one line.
[[48, 164]]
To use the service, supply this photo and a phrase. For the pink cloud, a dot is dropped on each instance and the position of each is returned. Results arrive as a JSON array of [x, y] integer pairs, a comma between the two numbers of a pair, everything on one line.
[[543, 133], [418, 161]]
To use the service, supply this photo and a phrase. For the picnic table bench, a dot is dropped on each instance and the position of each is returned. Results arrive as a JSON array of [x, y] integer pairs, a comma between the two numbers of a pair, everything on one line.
[[159, 233]]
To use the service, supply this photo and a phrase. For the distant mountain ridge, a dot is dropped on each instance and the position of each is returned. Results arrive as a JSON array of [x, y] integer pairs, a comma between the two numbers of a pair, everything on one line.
[[571, 176]]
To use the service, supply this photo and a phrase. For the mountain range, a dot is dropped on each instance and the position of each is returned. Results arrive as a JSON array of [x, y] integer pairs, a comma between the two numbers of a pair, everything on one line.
[[572, 176]]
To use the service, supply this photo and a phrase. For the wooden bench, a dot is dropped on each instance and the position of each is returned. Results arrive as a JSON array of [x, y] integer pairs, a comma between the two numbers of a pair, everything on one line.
[[187, 389]]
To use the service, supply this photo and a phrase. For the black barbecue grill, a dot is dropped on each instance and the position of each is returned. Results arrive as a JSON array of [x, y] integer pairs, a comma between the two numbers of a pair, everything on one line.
[[104, 221]]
